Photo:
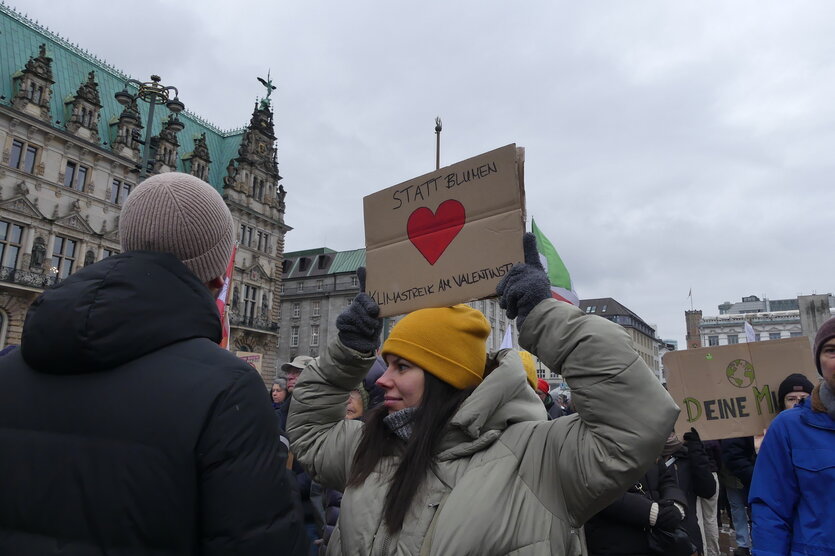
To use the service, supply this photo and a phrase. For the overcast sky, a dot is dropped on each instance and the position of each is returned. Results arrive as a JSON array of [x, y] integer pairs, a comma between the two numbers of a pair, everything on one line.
[[669, 145]]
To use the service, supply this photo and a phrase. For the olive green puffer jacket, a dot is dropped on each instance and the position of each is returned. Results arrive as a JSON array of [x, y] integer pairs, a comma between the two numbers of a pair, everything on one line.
[[508, 481]]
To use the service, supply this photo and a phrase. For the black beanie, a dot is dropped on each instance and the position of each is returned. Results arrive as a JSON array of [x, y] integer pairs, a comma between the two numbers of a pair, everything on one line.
[[793, 383], [825, 333]]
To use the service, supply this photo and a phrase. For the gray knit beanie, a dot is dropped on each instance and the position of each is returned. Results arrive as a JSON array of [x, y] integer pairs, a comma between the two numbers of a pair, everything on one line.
[[182, 215]]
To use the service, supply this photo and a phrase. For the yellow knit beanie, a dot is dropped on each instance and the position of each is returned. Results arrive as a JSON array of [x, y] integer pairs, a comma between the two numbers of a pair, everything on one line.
[[530, 367], [448, 342]]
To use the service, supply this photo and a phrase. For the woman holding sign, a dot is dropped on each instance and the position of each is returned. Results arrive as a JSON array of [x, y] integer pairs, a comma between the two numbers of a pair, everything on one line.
[[460, 459]]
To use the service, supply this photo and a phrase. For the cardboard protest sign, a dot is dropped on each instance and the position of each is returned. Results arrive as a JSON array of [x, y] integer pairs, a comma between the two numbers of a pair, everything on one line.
[[448, 236], [253, 359], [730, 391]]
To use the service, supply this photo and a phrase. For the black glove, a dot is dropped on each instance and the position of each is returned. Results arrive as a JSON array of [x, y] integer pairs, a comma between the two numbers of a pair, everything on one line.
[[692, 436], [359, 326], [668, 516], [525, 285]]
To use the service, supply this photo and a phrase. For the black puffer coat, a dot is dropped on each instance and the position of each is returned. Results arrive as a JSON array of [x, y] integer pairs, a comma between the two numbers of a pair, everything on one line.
[[621, 528], [126, 430]]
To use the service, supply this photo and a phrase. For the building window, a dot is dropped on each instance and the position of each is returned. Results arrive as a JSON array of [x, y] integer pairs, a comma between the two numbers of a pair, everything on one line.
[[246, 235], [75, 176], [11, 236], [795, 334], [119, 191], [297, 310], [354, 281], [320, 285], [23, 156], [294, 336], [603, 310], [108, 253], [588, 309], [300, 287], [263, 241], [279, 312], [314, 335], [733, 339], [757, 337], [250, 300], [63, 256], [314, 309], [281, 289], [322, 262], [257, 188], [713, 340], [773, 335]]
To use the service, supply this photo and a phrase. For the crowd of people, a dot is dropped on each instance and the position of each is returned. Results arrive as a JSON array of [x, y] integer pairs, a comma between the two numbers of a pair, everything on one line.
[[127, 430]]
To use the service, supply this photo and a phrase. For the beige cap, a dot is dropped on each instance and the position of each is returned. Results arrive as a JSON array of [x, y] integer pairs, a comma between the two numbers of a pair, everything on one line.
[[183, 215], [297, 364]]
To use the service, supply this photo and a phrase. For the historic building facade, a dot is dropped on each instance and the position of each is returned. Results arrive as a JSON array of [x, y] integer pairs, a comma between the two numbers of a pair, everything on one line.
[[644, 340], [70, 155], [770, 319]]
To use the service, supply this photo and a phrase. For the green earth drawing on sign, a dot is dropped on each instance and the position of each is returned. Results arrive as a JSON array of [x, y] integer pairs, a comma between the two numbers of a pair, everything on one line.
[[740, 373]]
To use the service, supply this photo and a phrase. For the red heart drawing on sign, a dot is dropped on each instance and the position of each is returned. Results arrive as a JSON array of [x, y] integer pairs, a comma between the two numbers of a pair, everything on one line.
[[431, 233]]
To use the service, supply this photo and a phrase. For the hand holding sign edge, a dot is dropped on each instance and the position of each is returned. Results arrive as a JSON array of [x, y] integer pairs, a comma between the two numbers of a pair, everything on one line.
[[525, 285], [359, 324]]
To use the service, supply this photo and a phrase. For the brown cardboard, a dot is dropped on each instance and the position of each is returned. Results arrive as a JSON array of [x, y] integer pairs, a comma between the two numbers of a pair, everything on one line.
[[697, 377], [477, 206]]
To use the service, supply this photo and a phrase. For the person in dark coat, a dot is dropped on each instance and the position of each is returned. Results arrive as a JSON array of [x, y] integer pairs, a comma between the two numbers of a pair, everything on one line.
[[126, 429], [621, 528], [693, 476], [739, 457]]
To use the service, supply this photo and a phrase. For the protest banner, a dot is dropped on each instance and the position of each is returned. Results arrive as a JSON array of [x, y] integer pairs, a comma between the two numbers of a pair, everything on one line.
[[253, 359], [448, 236], [731, 391]]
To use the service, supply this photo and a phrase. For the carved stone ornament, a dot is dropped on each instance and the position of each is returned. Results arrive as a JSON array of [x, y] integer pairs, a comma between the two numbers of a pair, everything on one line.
[[38, 253], [201, 150], [89, 91]]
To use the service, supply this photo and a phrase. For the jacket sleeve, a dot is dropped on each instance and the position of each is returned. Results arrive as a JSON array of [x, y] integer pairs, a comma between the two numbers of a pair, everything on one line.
[[737, 454], [701, 476], [624, 413], [774, 494], [668, 487], [630, 508], [320, 436], [247, 505]]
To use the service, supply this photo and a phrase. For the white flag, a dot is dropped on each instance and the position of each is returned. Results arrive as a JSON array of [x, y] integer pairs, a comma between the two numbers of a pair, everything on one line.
[[507, 341], [749, 332]]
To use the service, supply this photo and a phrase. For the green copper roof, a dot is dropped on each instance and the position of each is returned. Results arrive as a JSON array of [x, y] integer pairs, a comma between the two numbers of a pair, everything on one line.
[[20, 39], [348, 261]]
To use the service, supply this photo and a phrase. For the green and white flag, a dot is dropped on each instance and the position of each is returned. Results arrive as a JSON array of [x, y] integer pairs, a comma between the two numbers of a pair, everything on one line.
[[561, 286]]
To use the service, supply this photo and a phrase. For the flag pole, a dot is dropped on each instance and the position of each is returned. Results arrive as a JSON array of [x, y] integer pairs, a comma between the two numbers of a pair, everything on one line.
[[438, 128]]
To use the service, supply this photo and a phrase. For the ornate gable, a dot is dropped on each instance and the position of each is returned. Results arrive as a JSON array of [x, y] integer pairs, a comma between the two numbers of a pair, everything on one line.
[[22, 205], [34, 86], [75, 221], [84, 109], [256, 272]]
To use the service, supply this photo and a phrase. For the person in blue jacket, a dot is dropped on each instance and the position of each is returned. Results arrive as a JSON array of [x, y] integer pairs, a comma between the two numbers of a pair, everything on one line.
[[792, 502]]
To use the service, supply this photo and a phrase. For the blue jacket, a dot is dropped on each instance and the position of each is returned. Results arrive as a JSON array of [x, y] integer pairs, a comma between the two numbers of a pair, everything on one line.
[[792, 501]]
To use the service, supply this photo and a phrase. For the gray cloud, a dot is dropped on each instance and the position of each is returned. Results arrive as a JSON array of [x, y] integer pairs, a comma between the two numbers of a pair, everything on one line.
[[669, 145]]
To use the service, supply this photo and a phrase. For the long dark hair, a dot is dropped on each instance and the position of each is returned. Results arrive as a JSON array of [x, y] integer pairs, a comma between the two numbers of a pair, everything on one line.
[[437, 406]]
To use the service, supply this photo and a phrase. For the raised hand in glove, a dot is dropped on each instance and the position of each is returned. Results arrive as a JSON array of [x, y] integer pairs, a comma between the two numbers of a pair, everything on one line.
[[525, 285], [692, 436], [359, 324], [669, 515]]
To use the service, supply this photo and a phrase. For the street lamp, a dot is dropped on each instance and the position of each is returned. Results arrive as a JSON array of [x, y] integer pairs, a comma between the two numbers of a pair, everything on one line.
[[153, 93]]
